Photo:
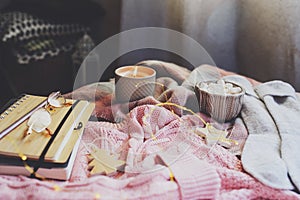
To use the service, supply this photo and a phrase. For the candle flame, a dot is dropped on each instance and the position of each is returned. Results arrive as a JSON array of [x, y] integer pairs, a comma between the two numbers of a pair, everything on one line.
[[135, 71]]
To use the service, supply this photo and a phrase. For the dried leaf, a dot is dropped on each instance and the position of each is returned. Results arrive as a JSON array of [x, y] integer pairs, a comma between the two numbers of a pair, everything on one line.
[[56, 99], [39, 121]]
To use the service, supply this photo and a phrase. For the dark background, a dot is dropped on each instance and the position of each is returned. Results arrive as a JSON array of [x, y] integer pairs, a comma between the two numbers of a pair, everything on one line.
[[58, 73], [53, 73], [253, 38]]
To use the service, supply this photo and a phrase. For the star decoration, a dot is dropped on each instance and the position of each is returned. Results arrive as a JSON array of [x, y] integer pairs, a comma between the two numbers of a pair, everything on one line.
[[213, 135], [101, 162]]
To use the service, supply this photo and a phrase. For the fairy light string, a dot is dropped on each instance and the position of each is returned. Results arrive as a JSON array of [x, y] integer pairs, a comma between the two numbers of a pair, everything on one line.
[[207, 125], [172, 177], [24, 159], [58, 188], [97, 196], [169, 105], [213, 135], [159, 84]]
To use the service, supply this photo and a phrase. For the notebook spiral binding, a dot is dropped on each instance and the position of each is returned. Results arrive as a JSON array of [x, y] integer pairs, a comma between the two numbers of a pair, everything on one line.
[[11, 105], [22, 118]]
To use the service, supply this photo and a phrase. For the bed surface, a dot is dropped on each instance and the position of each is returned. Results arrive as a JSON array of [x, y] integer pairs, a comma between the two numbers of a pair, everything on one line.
[[165, 157]]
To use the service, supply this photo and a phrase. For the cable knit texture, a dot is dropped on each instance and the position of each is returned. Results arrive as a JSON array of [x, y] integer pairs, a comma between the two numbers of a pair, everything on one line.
[[164, 157], [200, 171]]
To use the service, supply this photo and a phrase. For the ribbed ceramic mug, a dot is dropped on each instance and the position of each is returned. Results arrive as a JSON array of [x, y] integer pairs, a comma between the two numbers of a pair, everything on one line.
[[134, 82], [221, 107]]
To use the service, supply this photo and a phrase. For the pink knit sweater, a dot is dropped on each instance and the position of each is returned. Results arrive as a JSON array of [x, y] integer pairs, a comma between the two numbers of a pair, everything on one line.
[[165, 159], [157, 145]]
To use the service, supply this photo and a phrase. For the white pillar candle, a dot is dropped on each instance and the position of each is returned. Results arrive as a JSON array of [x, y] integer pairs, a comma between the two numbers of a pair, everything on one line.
[[134, 82]]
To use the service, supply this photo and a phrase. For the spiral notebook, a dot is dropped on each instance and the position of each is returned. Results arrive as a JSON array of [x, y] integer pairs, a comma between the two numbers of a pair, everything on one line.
[[42, 150]]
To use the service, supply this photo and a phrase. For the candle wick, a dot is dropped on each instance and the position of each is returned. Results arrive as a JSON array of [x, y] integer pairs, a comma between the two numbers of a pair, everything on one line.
[[135, 71]]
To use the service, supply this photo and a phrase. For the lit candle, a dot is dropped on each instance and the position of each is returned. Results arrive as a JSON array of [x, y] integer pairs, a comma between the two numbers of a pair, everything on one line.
[[134, 82], [133, 72]]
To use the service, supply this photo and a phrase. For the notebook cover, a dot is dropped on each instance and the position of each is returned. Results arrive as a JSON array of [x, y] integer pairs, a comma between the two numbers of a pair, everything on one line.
[[55, 148]]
